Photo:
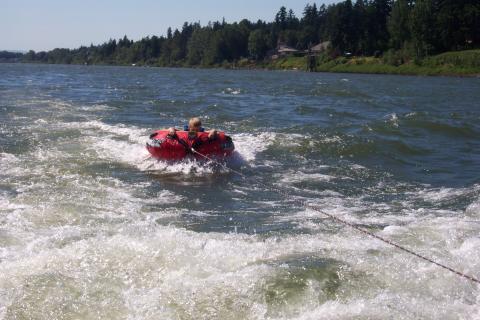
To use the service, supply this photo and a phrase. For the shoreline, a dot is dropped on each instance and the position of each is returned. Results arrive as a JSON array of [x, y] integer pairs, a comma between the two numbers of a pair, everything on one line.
[[297, 64], [454, 64]]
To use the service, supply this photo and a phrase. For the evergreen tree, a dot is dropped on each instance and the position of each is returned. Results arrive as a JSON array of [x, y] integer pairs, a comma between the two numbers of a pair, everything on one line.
[[198, 45], [308, 34], [423, 27], [281, 18], [398, 24], [360, 22], [292, 21], [310, 15], [458, 22], [257, 44], [341, 28]]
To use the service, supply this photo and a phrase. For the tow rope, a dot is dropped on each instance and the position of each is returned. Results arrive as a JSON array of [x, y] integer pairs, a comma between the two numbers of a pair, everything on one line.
[[344, 222], [183, 143], [196, 143]]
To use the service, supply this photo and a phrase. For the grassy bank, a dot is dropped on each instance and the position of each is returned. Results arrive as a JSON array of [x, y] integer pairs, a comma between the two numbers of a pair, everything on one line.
[[461, 63], [455, 63]]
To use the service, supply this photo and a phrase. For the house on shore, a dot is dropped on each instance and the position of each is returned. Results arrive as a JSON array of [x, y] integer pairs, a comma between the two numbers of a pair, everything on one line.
[[319, 48], [284, 50]]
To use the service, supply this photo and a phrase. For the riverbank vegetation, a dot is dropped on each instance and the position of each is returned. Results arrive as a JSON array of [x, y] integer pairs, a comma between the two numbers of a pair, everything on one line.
[[462, 63], [380, 36]]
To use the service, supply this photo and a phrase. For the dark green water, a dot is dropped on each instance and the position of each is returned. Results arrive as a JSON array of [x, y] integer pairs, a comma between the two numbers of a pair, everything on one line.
[[89, 229]]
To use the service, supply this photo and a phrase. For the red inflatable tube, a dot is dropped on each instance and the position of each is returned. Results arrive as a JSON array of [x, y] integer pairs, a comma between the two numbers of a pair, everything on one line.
[[164, 147]]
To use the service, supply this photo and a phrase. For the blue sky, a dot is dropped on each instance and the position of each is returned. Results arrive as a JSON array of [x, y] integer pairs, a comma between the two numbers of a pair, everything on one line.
[[48, 24]]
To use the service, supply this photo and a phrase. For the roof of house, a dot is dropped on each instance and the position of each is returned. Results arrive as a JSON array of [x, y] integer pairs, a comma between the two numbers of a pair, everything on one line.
[[286, 49], [321, 46]]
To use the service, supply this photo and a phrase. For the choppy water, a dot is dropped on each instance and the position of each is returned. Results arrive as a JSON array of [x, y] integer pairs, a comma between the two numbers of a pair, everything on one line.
[[91, 230]]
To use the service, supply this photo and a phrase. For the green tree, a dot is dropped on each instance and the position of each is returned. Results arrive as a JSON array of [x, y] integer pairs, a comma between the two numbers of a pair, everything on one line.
[[198, 45], [29, 56], [342, 30], [124, 42], [458, 23], [309, 25], [257, 44], [423, 27], [281, 18], [292, 21], [310, 15], [398, 24], [360, 22]]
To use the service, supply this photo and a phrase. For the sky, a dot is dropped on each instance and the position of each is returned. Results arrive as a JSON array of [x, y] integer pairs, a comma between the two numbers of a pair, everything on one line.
[[48, 24]]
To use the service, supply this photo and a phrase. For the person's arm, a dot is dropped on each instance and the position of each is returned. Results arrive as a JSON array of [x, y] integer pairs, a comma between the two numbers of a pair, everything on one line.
[[172, 131], [212, 133]]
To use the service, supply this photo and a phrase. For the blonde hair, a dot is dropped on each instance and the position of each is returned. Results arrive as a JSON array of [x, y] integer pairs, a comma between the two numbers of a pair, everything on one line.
[[194, 123]]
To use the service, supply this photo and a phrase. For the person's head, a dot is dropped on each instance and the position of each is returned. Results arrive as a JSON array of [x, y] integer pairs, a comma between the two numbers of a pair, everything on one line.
[[195, 124]]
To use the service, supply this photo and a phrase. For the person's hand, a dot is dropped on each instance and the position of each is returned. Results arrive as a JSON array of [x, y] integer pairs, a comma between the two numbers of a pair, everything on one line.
[[212, 134], [171, 132]]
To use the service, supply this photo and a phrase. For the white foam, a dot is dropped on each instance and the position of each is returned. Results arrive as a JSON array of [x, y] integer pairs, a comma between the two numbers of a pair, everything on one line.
[[6, 158], [231, 91], [9, 165], [332, 139], [358, 167], [442, 194], [292, 139], [198, 214], [393, 119], [473, 209], [133, 133], [299, 176], [468, 251], [249, 145], [97, 107], [152, 265], [40, 121], [192, 267], [394, 230], [167, 197], [118, 150]]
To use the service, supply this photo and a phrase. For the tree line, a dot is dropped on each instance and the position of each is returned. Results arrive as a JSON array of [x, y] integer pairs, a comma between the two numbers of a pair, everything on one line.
[[407, 28], [8, 56]]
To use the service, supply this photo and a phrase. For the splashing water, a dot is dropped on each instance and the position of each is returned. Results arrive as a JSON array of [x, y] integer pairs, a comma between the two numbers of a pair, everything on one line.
[[91, 228]]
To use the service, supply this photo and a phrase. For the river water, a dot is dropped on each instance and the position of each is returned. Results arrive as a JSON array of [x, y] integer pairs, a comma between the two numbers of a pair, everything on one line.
[[89, 229]]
